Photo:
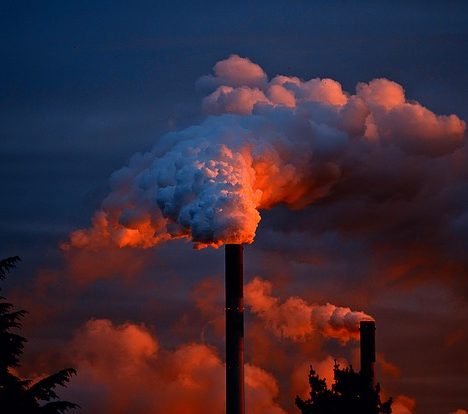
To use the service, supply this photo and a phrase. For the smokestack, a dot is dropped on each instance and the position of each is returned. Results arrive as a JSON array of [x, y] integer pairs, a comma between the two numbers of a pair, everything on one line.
[[367, 332], [234, 274]]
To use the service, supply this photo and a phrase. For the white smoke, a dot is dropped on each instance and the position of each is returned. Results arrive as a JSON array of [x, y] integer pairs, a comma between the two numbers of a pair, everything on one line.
[[266, 142]]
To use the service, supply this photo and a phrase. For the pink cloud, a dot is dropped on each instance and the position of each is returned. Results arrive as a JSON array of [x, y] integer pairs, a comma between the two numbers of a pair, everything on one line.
[[123, 368]]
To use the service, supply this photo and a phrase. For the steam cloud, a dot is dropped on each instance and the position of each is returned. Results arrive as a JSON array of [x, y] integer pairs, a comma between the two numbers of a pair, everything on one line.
[[296, 319], [403, 405], [124, 369], [264, 142]]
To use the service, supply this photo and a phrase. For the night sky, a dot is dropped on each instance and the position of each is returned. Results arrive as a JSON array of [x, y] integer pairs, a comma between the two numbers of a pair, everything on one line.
[[85, 85]]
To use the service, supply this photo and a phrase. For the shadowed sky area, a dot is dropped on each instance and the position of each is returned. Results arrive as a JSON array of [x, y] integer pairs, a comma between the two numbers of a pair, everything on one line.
[[84, 85]]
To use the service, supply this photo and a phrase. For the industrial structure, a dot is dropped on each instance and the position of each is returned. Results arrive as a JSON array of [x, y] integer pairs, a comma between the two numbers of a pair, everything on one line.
[[234, 290], [367, 333]]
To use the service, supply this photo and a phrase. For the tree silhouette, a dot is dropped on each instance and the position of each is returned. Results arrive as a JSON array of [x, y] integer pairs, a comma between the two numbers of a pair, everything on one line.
[[349, 394], [19, 396]]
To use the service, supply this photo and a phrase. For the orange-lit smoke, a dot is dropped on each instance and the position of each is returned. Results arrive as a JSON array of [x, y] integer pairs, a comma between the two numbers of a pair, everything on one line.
[[124, 369], [265, 142], [403, 405], [296, 319]]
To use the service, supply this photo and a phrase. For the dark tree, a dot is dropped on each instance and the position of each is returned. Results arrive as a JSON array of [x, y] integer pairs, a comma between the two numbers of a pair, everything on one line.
[[20, 396], [349, 394]]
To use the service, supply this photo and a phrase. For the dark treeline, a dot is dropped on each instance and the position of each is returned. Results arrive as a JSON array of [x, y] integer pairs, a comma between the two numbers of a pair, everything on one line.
[[18, 395], [349, 394]]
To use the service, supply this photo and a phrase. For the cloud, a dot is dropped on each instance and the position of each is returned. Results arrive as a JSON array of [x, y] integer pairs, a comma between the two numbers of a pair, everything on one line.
[[234, 71], [382, 93], [124, 369], [296, 319], [403, 405], [284, 141], [237, 101]]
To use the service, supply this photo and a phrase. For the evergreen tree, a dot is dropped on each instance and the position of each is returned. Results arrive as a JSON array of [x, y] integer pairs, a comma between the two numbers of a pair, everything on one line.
[[349, 394], [18, 396]]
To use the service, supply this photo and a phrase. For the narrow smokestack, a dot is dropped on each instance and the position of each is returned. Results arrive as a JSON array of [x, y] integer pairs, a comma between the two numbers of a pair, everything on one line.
[[234, 328], [367, 332]]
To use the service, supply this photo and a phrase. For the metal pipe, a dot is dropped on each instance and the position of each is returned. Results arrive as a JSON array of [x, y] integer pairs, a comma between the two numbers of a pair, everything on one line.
[[234, 288], [367, 334]]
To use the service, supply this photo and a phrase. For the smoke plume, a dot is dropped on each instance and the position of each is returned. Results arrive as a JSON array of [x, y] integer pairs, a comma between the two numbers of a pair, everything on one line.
[[296, 319], [124, 369], [264, 142], [403, 405]]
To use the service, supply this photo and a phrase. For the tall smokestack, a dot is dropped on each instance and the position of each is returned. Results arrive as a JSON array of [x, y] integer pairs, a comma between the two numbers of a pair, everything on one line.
[[234, 328], [367, 333]]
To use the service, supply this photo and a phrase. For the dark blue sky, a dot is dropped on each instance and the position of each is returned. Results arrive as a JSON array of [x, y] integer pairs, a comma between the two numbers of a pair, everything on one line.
[[85, 84]]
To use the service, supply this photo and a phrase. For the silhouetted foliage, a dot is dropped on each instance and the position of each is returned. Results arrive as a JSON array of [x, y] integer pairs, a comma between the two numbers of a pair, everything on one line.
[[7, 264], [349, 394], [19, 396]]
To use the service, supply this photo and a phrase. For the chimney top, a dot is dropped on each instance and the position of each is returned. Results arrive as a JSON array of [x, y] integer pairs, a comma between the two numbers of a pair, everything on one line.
[[367, 325]]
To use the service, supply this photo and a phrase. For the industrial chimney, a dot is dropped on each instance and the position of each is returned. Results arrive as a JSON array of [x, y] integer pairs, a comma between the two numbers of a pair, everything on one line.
[[234, 288], [367, 333]]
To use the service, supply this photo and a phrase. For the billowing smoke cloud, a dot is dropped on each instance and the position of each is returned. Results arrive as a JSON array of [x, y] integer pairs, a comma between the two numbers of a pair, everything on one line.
[[124, 369], [265, 142], [296, 319], [403, 405]]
